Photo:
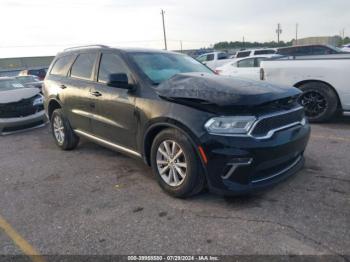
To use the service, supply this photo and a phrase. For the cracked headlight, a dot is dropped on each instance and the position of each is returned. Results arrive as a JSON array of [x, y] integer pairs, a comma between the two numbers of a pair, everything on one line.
[[230, 125], [39, 100]]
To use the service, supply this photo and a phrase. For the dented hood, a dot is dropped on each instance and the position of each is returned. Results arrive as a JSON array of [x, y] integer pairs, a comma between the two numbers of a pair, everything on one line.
[[221, 90], [15, 95]]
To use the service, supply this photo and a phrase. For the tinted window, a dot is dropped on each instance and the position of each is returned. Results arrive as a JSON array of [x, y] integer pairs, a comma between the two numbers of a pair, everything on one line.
[[258, 61], [246, 63], [61, 66], [264, 52], [111, 64], [243, 54], [322, 50], [222, 56], [285, 51], [210, 57], [83, 65]]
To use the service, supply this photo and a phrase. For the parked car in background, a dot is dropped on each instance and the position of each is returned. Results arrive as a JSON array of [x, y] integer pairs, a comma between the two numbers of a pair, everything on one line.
[[255, 52], [193, 127], [307, 50], [40, 73], [346, 48], [30, 81], [248, 67], [214, 59], [20, 107], [324, 81]]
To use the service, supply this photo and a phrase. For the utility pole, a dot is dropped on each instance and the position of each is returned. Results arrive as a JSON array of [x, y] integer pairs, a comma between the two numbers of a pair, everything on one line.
[[278, 31], [181, 45], [296, 33], [165, 45], [243, 42]]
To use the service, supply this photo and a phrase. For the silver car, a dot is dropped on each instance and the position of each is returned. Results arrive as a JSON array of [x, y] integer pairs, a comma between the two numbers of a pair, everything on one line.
[[20, 108]]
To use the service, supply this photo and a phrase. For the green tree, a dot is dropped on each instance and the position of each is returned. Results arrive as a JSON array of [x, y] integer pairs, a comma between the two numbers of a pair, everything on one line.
[[241, 45]]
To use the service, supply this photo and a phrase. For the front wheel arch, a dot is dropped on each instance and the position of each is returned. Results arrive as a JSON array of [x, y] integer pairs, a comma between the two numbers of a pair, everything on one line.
[[157, 127], [299, 84]]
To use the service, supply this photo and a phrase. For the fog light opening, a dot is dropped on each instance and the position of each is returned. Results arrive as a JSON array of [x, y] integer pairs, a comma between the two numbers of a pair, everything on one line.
[[236, 163]]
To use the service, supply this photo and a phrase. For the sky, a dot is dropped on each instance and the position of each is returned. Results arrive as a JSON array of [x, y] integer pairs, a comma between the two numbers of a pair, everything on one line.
[[44, 27]]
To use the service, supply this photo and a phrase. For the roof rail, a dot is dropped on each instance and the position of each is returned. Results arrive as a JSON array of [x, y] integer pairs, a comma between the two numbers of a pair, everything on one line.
[[83, 46]]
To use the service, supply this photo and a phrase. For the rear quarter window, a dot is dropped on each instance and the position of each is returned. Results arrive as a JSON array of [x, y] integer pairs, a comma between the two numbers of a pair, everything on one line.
[[61, 66], [83, 65], [243, 54], [264, 52]]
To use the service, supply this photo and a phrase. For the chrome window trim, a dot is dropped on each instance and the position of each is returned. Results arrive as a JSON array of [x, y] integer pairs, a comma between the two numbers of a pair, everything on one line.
[[272, 131]]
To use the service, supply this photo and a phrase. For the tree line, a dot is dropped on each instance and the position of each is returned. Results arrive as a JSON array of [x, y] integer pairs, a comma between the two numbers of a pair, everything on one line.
[[240, 44]]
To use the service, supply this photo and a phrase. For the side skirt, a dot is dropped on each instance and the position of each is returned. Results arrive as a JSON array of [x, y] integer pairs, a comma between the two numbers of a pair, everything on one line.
[[106, 143]]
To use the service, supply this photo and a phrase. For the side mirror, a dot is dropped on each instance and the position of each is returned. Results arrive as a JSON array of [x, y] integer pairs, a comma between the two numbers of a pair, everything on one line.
[[119, 81]]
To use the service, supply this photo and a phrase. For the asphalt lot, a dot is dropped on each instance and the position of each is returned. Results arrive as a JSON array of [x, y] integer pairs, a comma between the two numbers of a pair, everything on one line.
[[96, 201]]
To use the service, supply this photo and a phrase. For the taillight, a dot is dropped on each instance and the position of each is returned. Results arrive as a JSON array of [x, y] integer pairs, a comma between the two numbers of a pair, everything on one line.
[[218, 72], [262, 74]]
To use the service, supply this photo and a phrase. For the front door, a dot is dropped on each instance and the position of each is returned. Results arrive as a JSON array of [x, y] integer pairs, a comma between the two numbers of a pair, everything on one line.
[[115, 119]]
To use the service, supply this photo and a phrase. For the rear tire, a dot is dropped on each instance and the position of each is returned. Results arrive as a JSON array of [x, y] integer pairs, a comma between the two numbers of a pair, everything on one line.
[[62, 132], [192, 180], [319, 100]]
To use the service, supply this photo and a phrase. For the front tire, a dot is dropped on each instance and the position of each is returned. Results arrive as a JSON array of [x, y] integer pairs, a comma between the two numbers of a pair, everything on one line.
[[319, 100], [176, 164], [62, 132]]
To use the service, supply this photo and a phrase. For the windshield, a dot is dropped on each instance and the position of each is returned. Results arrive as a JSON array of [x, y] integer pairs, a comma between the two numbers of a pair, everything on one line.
[[27, 79], [9, 84], [159, 67]]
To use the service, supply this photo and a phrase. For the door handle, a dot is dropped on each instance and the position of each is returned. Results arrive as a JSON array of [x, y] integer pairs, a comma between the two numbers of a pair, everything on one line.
[[96, 93], [63, 86]]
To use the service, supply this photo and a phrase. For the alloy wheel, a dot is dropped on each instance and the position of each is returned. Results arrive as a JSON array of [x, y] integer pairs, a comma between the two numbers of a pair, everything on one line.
[[58, 129], [171, 163], [314, 103]]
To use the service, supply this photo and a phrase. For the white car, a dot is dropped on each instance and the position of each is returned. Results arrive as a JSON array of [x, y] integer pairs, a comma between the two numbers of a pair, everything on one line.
[[323, 79], [255, 52], [248, 67], [214, 59], [346, 48]]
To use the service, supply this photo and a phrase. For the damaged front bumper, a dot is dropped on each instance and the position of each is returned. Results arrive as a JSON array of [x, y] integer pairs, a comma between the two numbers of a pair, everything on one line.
[[240, 165], [16, 124]]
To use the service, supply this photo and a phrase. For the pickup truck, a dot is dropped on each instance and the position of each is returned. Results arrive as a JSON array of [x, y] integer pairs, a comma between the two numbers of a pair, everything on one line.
[[214, 59], [324, 80]]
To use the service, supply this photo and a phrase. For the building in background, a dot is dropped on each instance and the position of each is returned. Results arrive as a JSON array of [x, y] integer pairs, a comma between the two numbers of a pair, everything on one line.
[[12, 66], [319, 40]]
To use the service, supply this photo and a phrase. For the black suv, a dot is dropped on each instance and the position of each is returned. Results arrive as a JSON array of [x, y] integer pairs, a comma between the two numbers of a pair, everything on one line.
[[193, 127]]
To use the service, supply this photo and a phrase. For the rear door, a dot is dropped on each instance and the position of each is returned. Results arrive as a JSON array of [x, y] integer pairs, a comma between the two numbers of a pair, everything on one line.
[[247, 68], [77, 100], [115, 119]]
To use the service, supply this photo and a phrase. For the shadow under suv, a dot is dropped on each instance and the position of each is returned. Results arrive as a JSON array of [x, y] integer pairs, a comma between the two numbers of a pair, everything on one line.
[[193, 127]]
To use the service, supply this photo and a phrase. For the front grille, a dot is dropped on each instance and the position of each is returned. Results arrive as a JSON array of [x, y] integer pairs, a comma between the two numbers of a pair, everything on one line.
[[273, 122], [20, 109]]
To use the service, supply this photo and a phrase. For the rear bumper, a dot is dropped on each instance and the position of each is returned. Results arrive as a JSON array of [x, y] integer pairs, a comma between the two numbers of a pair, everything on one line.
[[11, 125], [240, 165]]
